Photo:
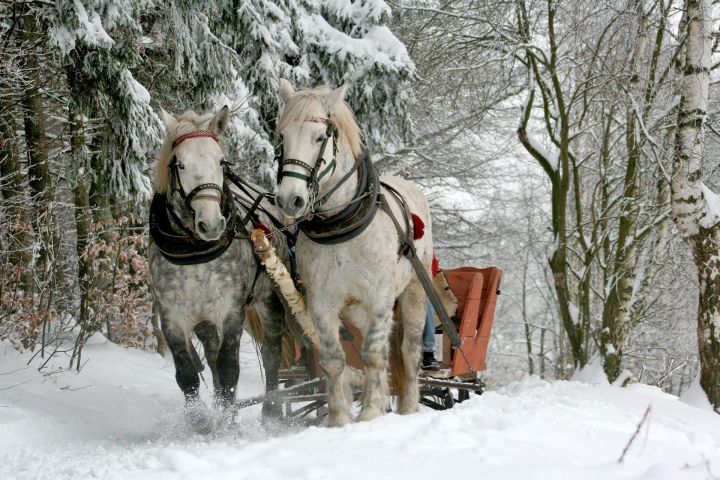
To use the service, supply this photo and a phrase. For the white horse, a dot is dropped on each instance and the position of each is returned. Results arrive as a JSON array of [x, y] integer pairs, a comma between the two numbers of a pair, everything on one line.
[[359, 277]]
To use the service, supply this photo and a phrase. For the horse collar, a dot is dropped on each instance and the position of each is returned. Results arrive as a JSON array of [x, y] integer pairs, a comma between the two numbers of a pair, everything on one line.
[[356, 217], [179, 245]]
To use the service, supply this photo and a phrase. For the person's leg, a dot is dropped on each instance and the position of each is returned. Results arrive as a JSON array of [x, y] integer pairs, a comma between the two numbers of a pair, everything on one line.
[[428, 337], [428, 340]]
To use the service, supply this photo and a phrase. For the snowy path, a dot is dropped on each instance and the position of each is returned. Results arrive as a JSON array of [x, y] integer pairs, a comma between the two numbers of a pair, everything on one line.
[[120, 419]]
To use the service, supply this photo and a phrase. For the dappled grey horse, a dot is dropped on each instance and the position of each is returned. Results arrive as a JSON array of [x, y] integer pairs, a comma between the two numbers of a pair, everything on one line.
[[203, 276]]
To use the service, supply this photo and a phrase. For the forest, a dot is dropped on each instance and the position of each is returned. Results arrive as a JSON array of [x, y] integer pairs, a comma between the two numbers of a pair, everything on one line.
[[571, 143]]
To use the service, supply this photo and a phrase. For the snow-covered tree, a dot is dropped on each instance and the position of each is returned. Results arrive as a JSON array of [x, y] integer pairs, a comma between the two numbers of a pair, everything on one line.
[[696, 208], [97, 42]]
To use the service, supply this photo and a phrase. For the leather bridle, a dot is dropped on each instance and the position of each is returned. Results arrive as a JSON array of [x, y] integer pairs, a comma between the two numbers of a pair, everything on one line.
[[315, 175], [175, 166]]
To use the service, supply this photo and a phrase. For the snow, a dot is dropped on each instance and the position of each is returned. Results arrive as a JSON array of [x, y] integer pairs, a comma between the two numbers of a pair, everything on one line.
[[712, 202], [552, 158], [592, 373], [379, 44], [120, 419], [574, 313], [696, 396], [91, 27]]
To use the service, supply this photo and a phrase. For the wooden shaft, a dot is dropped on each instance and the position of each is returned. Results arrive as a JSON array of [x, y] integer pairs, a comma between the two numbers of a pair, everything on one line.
[[279, 274]]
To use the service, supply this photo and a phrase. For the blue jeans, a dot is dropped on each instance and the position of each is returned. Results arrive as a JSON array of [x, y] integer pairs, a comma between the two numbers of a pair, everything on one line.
[[428, 337]]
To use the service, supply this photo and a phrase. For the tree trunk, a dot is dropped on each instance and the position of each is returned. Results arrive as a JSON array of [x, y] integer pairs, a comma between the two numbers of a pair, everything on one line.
[[13, 186], [526, 321], [37, 150], [83, 215], [695, 208], [616, 311], [576, 327]]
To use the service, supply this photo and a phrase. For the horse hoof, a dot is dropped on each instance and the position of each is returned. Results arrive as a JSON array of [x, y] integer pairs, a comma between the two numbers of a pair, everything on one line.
[[368, 414], [271, 410], [336, 421], [198, 417], [408, 409], [225, 415]]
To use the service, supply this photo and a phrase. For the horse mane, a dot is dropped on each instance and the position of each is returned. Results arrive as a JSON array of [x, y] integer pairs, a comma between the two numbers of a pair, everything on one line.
[[186, 123], [313, 103]]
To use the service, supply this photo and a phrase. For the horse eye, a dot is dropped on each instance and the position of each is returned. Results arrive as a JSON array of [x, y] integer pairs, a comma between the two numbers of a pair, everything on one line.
[[180, 165], [320, 139]]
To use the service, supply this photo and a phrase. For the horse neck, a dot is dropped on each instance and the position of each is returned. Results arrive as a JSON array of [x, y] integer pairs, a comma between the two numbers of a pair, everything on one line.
[[346, 192]]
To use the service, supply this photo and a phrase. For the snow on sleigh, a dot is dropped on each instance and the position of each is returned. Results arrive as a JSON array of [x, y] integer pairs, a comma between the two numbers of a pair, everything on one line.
[[469, 296]]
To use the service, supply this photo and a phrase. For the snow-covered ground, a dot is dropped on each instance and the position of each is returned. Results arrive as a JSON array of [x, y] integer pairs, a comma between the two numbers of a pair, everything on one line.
[[120, 418]]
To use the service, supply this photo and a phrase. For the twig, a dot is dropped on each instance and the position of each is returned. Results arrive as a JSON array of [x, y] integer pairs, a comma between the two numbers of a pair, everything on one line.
[[68, 389], [16, 385], [16, 370], [637, 430]]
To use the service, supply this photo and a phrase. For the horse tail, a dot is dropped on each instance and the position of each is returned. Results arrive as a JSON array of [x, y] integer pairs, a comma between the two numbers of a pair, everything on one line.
[[396, 367], [253, 325]]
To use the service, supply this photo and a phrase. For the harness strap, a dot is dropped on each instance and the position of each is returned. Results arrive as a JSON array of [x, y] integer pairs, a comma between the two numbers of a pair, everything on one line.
[[314, 178], [358, 163], [406, 237], [258, 271], [251, 211], [244, 186], [407, 248]]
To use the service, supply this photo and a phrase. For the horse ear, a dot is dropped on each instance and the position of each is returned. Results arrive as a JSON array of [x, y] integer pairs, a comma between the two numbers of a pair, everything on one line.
[[336, 97], [285, 90], [220, 121], [169, 120]]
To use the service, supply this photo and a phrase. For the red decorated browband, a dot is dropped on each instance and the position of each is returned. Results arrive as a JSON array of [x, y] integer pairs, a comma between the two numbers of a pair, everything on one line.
[[188, 136], [324, 121]]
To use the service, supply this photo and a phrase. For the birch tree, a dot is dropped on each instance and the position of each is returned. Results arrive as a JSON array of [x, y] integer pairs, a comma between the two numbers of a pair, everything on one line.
[[695, 208]]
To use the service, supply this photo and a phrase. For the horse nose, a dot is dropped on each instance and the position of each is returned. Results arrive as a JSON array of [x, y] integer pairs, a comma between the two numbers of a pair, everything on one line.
[[210, 232], [298, 203], [290, 204]]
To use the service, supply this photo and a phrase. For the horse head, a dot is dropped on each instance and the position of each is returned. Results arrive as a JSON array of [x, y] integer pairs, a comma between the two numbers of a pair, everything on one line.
[[191, 171], [319, 131]]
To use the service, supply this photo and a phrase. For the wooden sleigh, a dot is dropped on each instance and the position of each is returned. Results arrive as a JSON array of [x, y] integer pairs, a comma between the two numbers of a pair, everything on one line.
[[302, 386]]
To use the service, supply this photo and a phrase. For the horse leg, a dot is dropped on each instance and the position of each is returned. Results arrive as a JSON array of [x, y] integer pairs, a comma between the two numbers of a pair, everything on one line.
[[413, 304], [332, 362], [228, 359], [208, 335], [186, 376], [375, 357], [273, 314]]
